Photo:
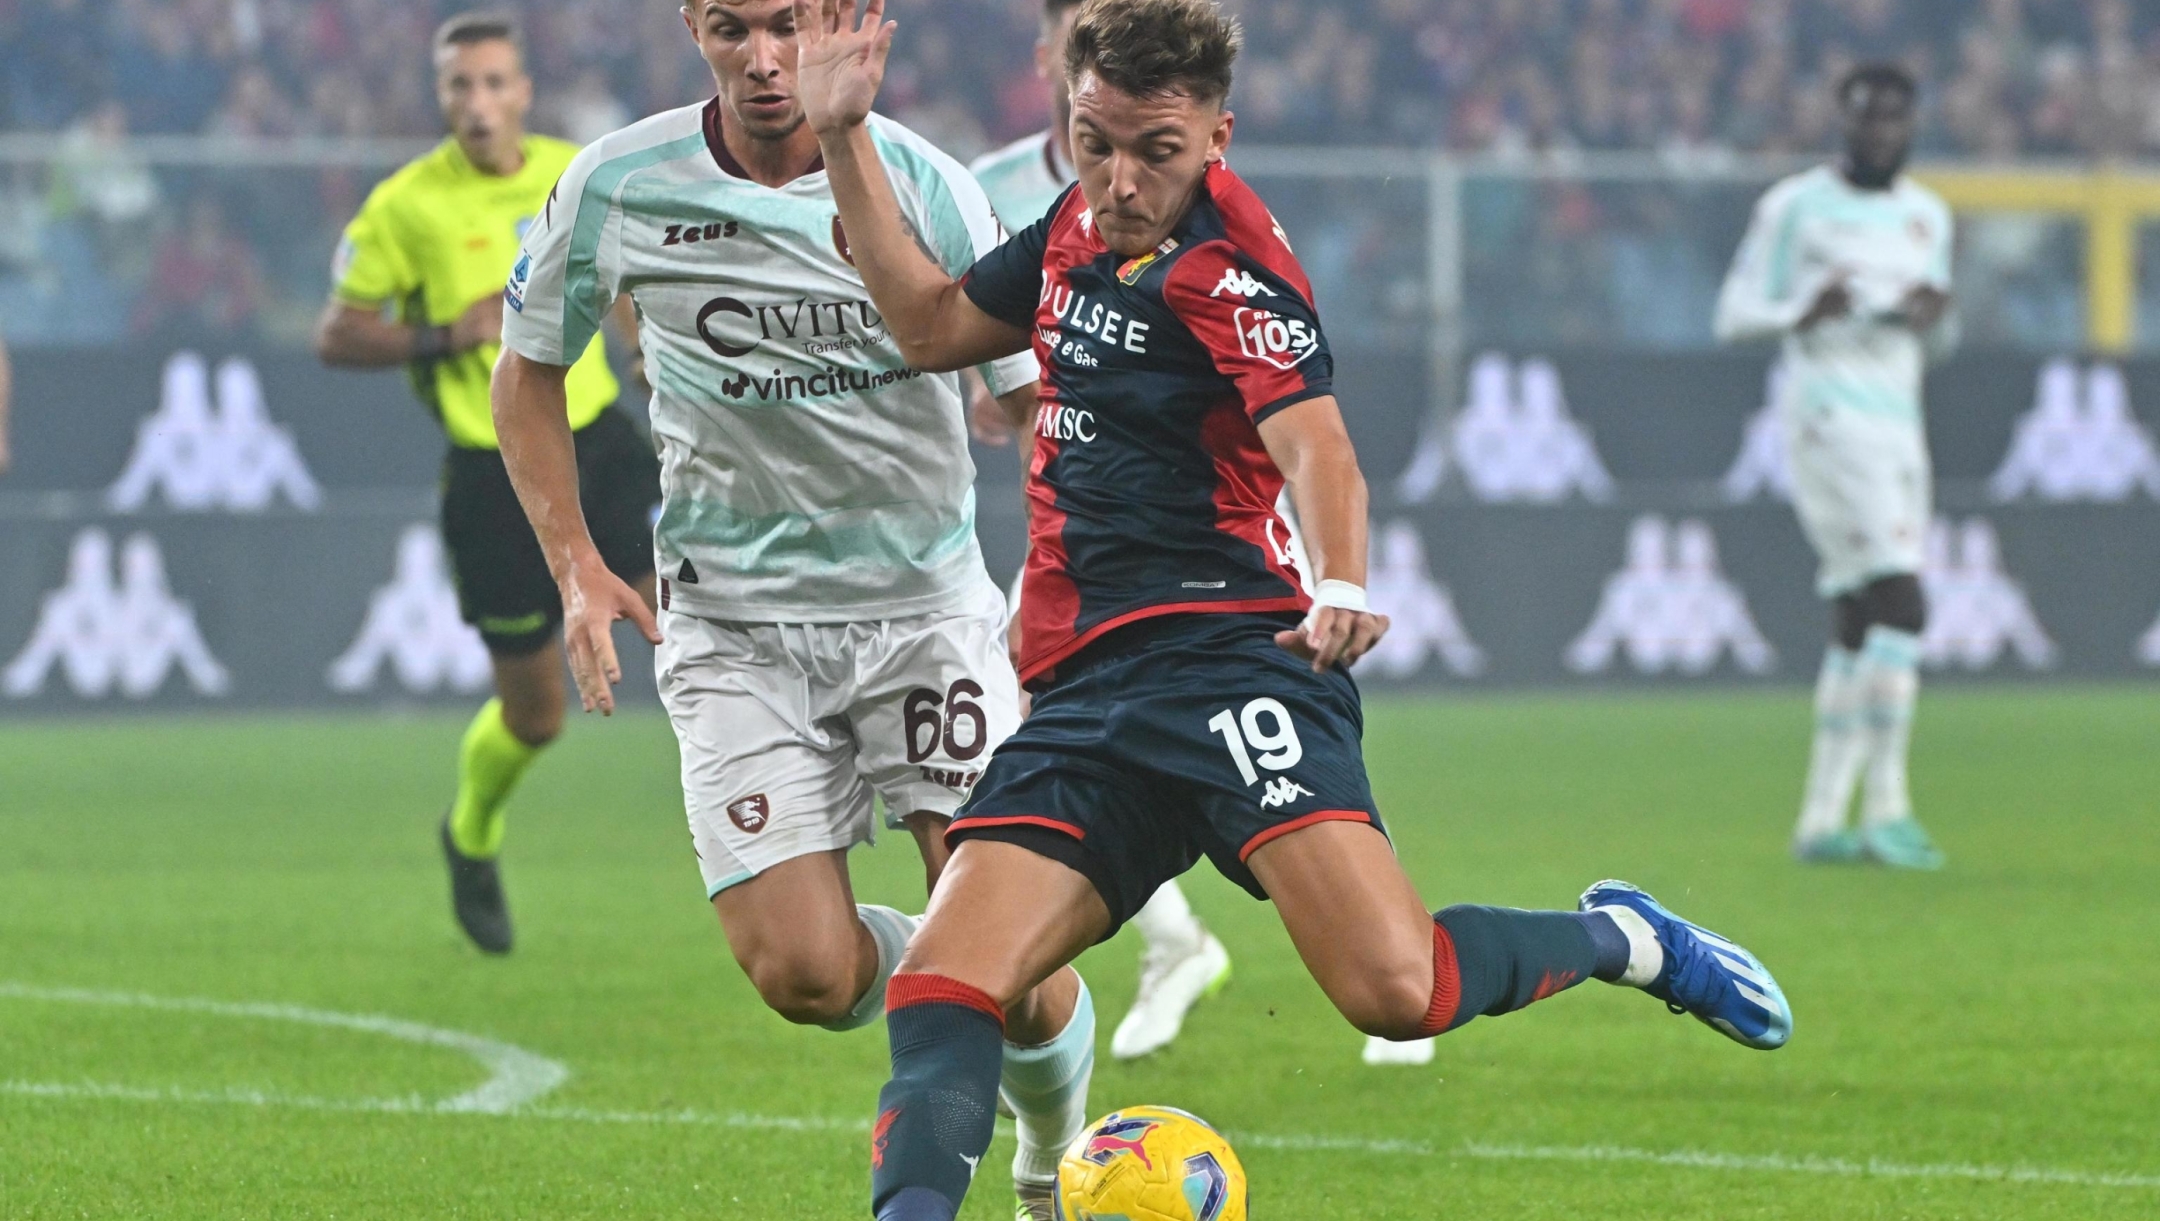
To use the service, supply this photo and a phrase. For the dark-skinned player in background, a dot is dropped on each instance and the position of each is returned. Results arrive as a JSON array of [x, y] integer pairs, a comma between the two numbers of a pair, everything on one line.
[[1848, 265]]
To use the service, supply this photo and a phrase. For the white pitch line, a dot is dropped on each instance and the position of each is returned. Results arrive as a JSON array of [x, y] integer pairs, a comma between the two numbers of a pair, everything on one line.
[[1834, 1166], [1478, 1150], [515, 1076]]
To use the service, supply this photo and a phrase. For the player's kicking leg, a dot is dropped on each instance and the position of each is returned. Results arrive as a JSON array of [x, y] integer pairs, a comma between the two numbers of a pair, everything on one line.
[[1400, 972], [1008, 915]]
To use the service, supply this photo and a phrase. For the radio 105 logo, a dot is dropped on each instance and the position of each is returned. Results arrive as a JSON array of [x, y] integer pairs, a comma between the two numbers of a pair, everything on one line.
[[1267, 335]]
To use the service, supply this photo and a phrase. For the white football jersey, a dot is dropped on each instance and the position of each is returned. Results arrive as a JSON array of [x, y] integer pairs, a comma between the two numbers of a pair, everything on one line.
[[1023, 179], [1811, 228], [807, 473]]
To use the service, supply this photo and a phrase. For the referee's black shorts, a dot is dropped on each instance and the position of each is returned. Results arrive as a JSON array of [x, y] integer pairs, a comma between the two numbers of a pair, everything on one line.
[[503, 584]]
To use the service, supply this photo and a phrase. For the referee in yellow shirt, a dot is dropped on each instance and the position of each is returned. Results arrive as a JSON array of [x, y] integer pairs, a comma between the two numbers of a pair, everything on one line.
[[419, 282]]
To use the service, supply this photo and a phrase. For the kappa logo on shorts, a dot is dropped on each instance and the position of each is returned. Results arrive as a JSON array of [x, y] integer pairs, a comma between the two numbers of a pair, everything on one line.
[[751, 813], [1282, 791]]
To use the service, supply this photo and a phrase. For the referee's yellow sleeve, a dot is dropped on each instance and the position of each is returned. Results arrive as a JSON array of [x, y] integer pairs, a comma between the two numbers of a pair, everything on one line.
[[371, 267]]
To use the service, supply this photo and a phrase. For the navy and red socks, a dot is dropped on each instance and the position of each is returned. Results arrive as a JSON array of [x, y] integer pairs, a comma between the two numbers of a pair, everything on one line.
[[936, 1115], [1494, 960]]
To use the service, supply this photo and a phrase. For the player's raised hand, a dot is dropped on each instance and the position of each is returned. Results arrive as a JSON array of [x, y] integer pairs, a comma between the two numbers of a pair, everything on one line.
[[593, 599], [1924, 306], [1334, 634], [840, 62], [1834, 301]]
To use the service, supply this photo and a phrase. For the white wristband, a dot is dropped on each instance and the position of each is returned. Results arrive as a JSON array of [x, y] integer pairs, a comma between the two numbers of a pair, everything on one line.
[[1342, 595]]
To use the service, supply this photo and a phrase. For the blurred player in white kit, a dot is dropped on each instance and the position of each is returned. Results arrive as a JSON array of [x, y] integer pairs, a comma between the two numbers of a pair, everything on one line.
[[1849, 264]]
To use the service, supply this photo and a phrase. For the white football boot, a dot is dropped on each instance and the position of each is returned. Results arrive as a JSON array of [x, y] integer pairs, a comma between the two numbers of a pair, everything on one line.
[[1172, 980], [1413, 1052]]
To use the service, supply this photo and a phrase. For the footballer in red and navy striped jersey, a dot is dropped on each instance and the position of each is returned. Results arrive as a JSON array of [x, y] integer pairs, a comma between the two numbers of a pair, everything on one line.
[[1151, 491], [1190, 700]]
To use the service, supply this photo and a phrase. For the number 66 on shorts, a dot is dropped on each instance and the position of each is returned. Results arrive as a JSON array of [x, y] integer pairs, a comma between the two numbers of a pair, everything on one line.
[[789, 730]]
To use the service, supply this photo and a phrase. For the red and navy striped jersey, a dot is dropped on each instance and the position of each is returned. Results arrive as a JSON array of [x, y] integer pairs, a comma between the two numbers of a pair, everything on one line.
[[1150, 492]]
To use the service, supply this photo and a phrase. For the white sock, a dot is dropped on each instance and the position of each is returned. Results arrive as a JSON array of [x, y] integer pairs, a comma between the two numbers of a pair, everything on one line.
[[1047, 1086], [1890, 675], [1166, 920], [1840, 746], [1646, 958], [891, 930]]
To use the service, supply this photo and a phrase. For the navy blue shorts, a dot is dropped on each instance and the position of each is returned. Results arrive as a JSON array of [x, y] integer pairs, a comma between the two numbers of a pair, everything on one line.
[[1170, 739]]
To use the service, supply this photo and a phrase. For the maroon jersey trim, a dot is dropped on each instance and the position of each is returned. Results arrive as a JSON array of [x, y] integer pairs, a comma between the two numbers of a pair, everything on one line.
[[716, 144]]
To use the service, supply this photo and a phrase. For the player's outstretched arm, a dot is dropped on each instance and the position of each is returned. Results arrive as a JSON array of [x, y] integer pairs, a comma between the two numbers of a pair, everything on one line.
[[1312, 449], [840, 66], [533, 424], [358, 336]]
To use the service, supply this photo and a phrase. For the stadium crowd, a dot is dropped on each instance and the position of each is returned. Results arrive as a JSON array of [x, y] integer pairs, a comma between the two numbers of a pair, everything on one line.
[[2009, 77], [1693, 80]]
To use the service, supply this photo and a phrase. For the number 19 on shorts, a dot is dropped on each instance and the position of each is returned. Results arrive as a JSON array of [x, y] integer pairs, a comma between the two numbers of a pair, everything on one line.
[[1262, 725]]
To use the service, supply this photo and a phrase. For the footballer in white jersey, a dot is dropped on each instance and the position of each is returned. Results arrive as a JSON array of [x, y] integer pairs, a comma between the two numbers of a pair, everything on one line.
[[1849, 267], [1025, 177], [827, 634]]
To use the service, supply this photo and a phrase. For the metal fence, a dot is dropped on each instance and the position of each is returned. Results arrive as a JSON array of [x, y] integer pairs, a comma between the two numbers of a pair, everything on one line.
[[1412, 253]]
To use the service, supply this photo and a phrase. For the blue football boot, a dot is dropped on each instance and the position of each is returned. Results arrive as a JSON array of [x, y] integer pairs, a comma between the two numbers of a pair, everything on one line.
[[1721, 984]]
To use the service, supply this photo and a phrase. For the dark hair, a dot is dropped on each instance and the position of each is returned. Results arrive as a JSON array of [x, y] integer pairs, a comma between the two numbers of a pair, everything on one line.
[[466, 29], [1874, 77], [1152, 47]]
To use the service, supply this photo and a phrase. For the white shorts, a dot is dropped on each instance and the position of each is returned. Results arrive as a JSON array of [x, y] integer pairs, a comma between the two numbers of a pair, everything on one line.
[[787, 730], [1863, 488]]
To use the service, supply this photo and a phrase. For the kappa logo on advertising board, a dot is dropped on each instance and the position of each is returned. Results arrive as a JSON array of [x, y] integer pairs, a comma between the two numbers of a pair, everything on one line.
[[103, 634], [2080, 441], [1514, 441], [2148, 646], [1671, 608], [1762, 468], [201, 457], [414, 628], [750, 813], [1977, 612], [1420, 610]]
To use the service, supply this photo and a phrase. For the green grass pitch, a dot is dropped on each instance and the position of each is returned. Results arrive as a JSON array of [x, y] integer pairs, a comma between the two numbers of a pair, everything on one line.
[[1982, 1043]]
